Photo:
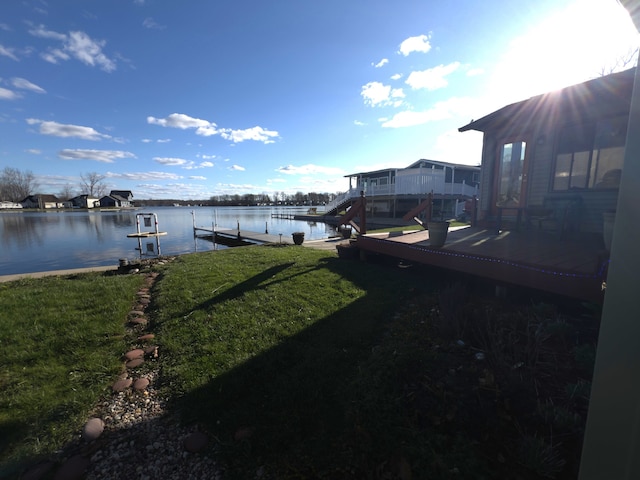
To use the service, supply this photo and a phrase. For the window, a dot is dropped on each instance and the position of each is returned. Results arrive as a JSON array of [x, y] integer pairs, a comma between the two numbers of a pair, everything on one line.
[[590, 155]]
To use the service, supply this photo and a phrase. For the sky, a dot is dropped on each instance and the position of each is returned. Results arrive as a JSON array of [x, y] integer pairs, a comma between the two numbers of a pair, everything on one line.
[[201, 98]]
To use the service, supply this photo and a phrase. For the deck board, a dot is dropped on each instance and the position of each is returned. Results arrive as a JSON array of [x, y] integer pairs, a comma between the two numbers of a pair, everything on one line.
[[532, 258]]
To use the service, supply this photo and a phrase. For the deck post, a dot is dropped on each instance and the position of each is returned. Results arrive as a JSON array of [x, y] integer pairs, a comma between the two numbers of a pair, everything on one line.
[[611, 446], [363, 213]]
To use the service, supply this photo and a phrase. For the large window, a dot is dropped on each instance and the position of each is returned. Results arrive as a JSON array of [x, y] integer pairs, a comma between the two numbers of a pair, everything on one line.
[[590, 155]]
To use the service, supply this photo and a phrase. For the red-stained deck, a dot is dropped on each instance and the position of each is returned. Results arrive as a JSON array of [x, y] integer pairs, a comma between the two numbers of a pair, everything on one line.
[[573, 267]]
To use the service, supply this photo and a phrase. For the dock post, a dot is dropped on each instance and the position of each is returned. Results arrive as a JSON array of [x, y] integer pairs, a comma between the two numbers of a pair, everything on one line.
[[266, 227]]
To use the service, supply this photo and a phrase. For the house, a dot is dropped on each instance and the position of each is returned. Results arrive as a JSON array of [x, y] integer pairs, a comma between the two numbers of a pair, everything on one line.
[[85, 201], [562, 150], [114, 201], [550, 174], [124, 194], [393, 192], [42, 201]]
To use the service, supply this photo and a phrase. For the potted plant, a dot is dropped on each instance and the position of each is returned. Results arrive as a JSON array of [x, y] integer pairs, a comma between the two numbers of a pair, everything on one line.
[[345, 232], [437, 232], [298, 237]]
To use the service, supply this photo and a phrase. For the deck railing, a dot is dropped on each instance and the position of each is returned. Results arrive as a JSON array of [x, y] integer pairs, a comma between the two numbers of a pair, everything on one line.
[[408, 184]]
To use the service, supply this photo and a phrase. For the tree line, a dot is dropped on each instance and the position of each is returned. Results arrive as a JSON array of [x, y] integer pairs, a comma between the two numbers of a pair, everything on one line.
[[16, 185]]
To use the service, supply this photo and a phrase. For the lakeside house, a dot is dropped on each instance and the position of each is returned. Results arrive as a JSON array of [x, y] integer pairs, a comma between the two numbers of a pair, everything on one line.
[[550, 172], [85, 201], [42, 201], [393, 192]]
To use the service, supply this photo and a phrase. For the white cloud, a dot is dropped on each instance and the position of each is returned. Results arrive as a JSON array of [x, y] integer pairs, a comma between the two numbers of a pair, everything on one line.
[[163, 140], [206, 164], [396, 76], [206, 157], [432, 78], [143, 176], [197, 177], [381, 63], [442, 110], [105, 156], [179, 120], [151, 23], [474, 72], [309, 169], [465, 148], [33, 151], [75, 44], [67, 131], [359, 123], [205, 128], [377, 94], [6, 94], [257, 134], [8, 52], [236, 168], [26, 85], [415, 44], [171, 161]]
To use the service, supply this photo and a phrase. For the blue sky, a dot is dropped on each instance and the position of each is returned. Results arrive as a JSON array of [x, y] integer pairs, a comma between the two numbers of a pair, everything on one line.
[[197, 98]]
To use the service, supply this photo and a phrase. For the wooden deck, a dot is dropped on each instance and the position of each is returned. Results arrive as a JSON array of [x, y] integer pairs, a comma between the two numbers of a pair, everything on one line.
[[573, 267]]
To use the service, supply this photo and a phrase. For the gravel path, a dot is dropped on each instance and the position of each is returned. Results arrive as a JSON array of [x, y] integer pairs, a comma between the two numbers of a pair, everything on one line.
[[130, 434]]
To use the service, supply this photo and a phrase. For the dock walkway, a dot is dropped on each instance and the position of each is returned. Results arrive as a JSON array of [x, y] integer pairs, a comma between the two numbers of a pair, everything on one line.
[[233, 234]]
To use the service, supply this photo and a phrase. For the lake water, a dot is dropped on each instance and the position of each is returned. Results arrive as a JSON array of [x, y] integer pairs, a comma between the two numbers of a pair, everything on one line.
[[50, 240]]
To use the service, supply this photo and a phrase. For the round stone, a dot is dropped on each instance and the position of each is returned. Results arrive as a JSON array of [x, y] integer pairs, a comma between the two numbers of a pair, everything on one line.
[[143, 295], [141, 383], [148, 336], [196, 442], [140, 308], [122, 384], [139, 321], [135, 363], [92, 429], [136, 313], [144, 301], [151, 350], [73, 469], [133, 354]]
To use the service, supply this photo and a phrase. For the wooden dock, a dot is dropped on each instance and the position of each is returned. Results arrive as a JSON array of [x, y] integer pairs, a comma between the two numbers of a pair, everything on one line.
[[232, 236]]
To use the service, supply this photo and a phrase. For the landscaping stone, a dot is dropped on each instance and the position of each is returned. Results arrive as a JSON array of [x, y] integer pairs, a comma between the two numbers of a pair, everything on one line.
[[139, 321], [141, 383], [93, 429], [151, 350], [196, 442], [135, 363], [72, 469], [122, 384], [136, 313], [133, 354], [148, 336], [144, 301]]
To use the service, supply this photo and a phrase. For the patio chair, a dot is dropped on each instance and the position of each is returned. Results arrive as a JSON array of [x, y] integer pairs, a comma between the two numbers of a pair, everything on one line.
[[558, 213]]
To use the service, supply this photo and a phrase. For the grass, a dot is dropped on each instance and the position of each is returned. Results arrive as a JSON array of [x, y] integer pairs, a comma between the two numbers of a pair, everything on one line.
[[302, 365], [61, 339]]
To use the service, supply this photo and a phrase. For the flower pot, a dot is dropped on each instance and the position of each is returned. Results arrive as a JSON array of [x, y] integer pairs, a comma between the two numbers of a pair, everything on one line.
[[345, 232], [298, 237], [437, 233], [608, 220]]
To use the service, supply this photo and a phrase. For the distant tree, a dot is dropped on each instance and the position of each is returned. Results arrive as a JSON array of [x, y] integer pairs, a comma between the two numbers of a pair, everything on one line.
[[623, 62], [92, 184], [67, 192], [15, 185]]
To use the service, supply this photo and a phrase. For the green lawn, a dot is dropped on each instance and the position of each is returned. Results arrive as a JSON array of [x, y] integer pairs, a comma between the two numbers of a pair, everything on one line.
[[61, 342]]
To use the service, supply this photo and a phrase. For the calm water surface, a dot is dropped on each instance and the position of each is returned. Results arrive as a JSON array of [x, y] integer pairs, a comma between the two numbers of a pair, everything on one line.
[[41, 241]]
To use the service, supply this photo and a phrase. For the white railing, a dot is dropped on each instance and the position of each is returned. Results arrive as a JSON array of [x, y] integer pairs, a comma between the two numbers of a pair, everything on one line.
[[409, 184]]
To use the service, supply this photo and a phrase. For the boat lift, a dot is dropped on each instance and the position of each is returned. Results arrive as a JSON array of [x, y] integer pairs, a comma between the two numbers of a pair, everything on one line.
[[146, 218]]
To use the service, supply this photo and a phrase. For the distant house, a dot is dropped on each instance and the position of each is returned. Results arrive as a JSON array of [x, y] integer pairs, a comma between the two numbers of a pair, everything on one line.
[[115, 201], [42, 201], [125, 194], [561, 148], [85, 201], [9, 205], [393, 192]]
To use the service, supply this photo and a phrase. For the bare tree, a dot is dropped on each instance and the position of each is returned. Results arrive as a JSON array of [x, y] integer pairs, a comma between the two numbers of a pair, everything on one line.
[[67, 192], [92, 184], [623, 62], [15, 185]]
